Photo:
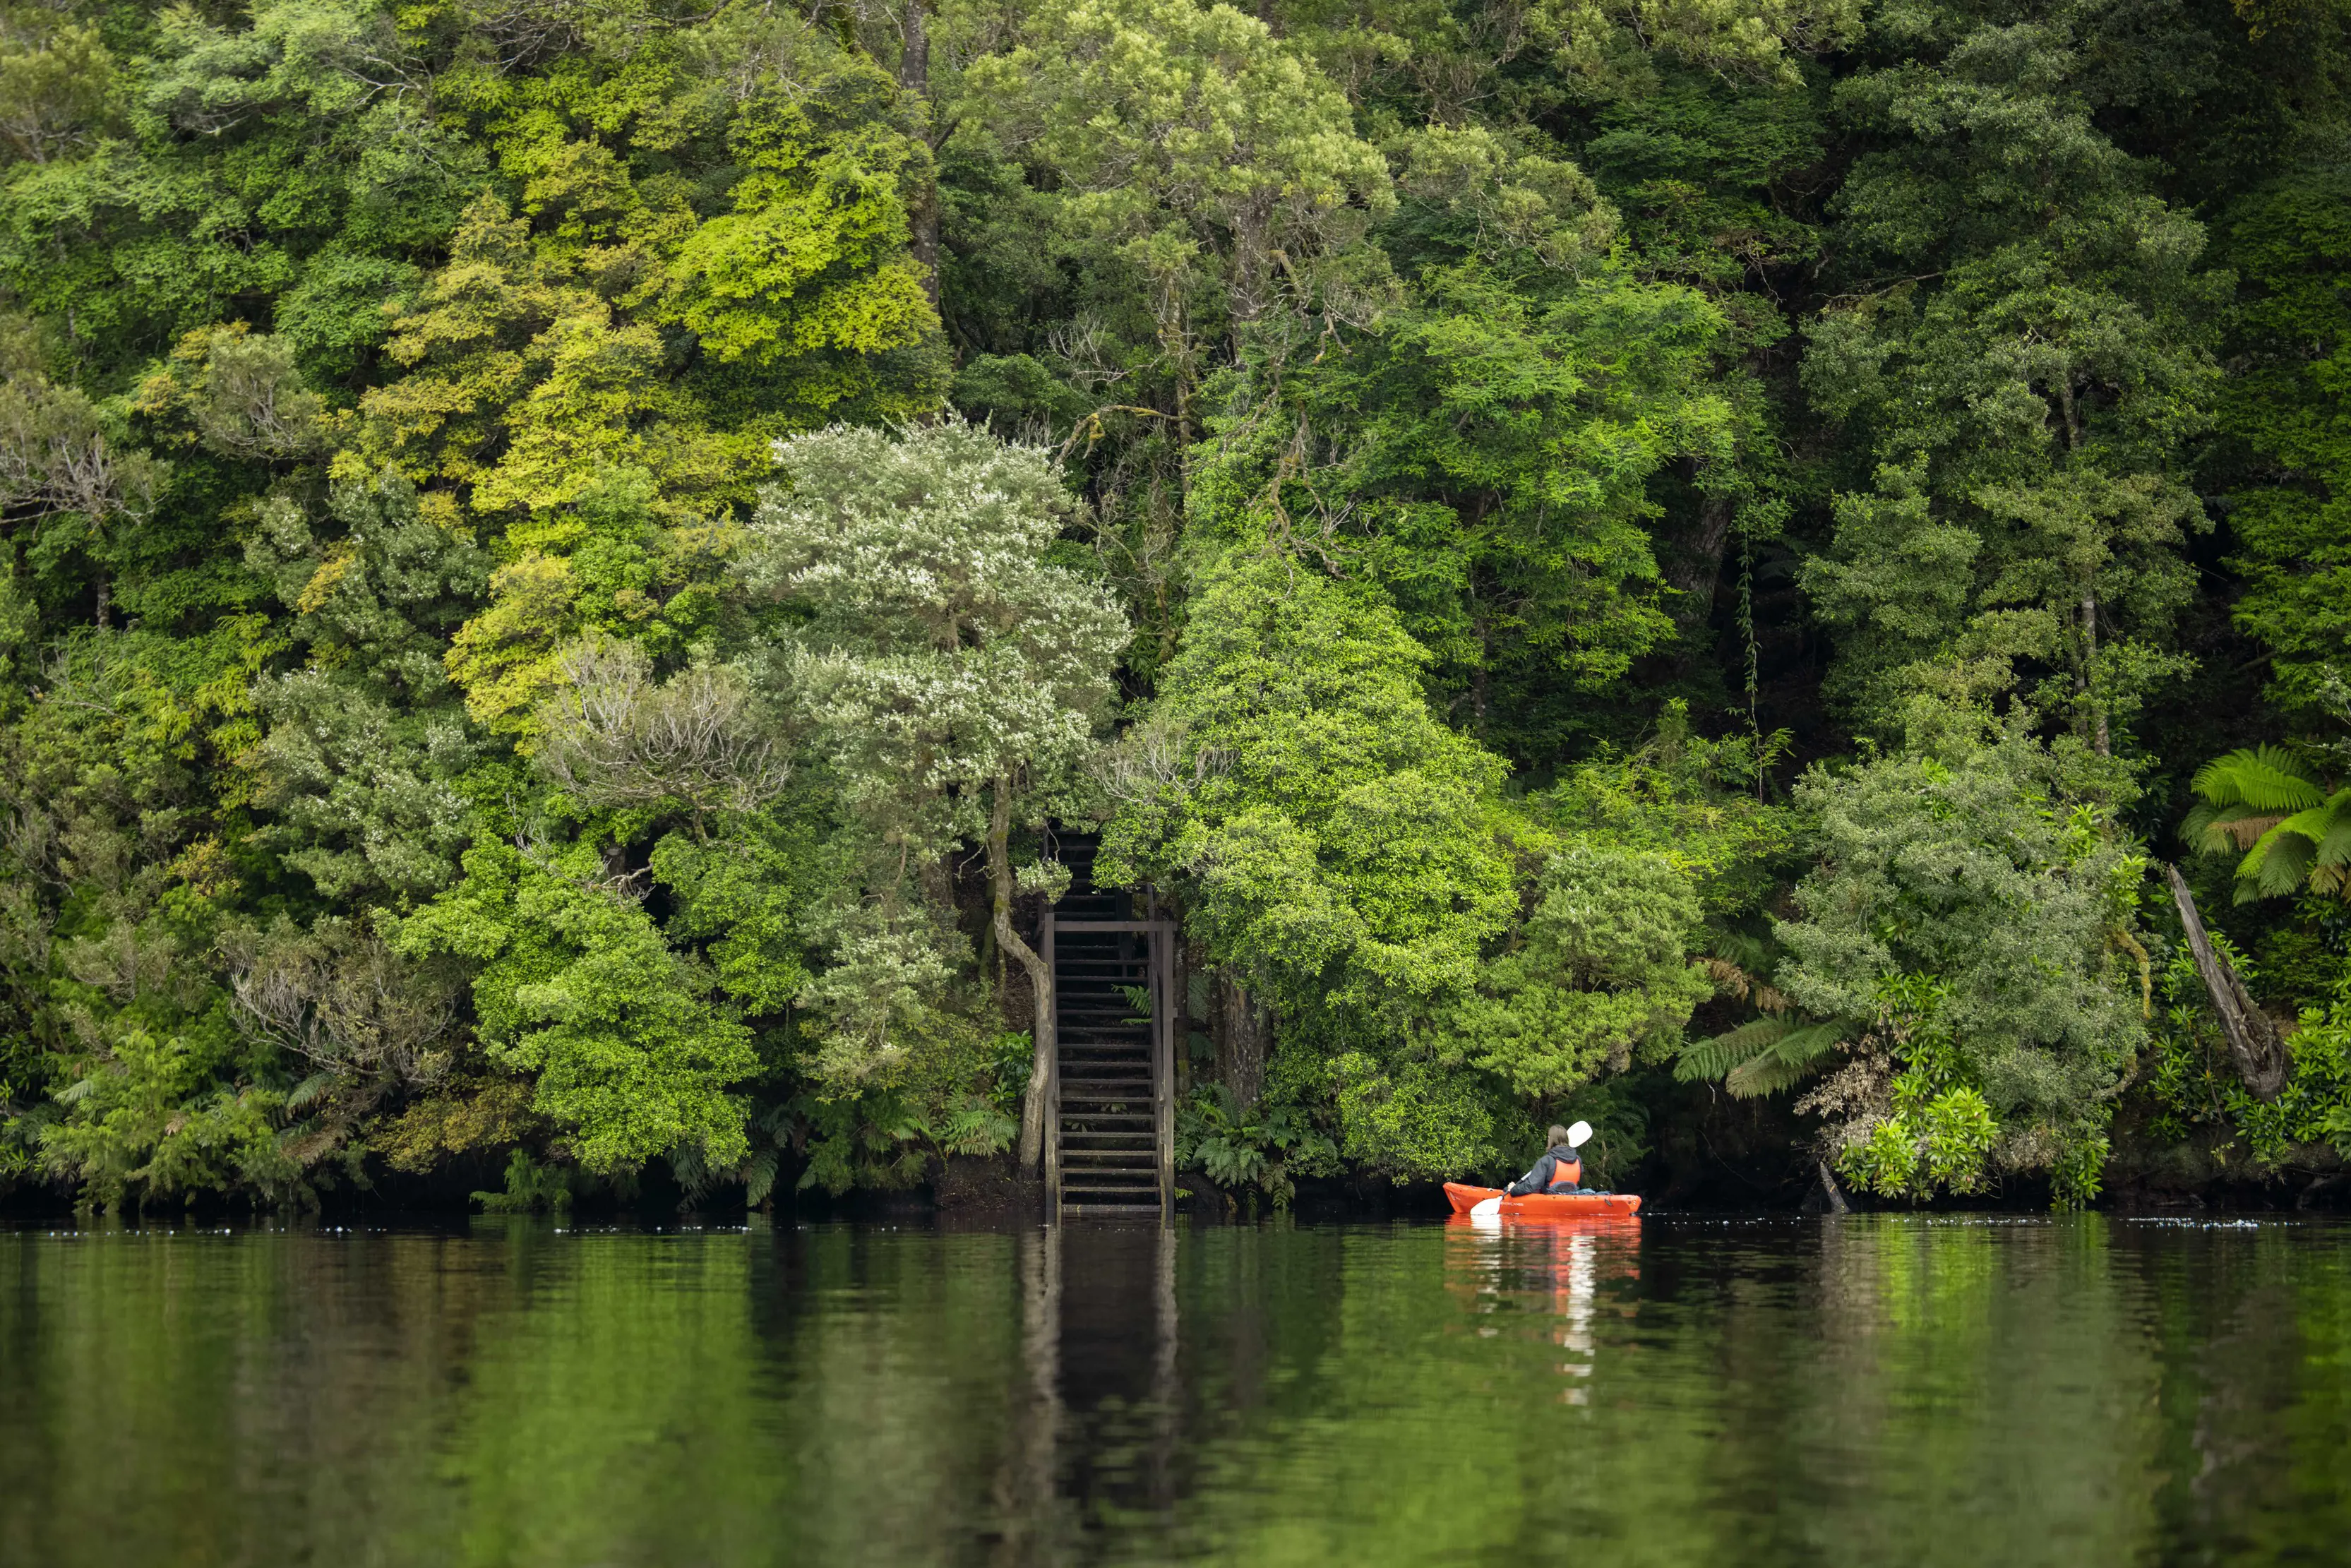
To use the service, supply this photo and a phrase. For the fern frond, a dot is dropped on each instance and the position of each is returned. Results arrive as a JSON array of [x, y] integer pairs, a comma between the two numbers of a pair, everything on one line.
[[1786, 1062], [2309, 843], [2335, 843], [1764, 1076], [2216, 830], [1741, 949], [2277, 864], [693, 1173], [309, 1089], [1715, 1057], [1729, 979], [759, 1177], [2267, 779]]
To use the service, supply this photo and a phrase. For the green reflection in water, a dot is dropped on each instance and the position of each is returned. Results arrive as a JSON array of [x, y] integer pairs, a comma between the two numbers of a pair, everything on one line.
[[1863, 1391]]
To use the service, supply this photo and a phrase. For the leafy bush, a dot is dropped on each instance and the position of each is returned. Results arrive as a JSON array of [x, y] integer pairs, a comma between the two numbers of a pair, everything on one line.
[[2194, 1085], [1267, 1146]]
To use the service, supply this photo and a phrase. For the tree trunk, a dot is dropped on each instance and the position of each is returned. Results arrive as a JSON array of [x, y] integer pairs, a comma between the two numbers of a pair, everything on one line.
[[1031, 1153], [2254, 1047], [923, 210], [1693, 568], [1252, 249], [1240, 1038], [2098, 737]]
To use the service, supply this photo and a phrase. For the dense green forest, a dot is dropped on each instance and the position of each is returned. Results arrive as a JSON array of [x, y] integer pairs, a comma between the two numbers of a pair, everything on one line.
[[1761, 574]]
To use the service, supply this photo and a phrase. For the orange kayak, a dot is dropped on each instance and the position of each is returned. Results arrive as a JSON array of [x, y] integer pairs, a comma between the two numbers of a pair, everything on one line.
[[1546, 1204]]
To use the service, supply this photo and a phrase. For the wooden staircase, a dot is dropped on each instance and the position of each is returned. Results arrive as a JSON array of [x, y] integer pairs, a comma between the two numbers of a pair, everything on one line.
[[1113, 1145]]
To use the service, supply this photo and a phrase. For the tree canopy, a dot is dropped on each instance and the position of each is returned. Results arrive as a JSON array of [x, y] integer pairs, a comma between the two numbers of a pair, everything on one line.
[[570, 578]]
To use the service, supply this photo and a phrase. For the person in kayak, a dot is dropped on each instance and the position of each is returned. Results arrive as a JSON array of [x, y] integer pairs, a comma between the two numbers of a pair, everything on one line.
[[1561, 1169]]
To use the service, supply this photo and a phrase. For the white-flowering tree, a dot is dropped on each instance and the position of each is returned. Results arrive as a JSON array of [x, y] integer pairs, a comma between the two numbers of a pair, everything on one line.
[[955, 679]]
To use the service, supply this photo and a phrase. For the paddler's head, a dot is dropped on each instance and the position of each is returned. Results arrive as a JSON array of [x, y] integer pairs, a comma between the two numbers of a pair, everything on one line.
[[1559, 1142]]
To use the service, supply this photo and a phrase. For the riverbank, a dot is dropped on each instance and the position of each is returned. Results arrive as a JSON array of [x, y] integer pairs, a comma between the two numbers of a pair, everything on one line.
[[2146, 1177]]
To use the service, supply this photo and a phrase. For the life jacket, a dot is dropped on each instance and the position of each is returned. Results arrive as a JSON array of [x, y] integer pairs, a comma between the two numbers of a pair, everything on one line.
[[1565, 1172]]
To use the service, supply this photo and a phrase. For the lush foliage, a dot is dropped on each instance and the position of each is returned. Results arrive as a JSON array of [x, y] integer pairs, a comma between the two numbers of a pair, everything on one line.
[[1969, 932], [569, 574]]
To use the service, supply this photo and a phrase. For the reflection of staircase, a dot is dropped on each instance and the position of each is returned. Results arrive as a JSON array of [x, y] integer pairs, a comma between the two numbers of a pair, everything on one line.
[[1111, 1138]]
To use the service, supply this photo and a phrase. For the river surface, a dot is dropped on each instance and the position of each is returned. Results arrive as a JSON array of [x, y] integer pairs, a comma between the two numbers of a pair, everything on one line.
[[1992, 1392]]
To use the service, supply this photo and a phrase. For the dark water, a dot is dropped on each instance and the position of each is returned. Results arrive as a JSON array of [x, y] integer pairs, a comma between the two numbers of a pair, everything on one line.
[[1986, 1393]]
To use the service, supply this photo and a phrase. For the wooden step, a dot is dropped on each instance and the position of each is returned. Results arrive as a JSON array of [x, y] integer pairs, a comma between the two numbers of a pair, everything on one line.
[[1105, 1127]]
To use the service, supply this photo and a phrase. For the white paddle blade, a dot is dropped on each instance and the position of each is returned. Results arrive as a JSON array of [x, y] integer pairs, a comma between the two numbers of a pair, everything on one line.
[[1578, 1135], [1486, 1208]]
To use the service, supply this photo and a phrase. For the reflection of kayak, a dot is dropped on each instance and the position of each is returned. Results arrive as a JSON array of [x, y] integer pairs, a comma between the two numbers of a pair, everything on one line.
[[1546, 1204]]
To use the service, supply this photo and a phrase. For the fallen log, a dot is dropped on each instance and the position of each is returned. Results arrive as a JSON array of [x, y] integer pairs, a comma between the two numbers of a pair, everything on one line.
[[2254, 1045]]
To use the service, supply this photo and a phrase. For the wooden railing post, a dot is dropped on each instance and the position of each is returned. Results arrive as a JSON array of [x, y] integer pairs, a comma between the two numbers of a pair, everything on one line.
[[1052, 1053], [1163, 1058]]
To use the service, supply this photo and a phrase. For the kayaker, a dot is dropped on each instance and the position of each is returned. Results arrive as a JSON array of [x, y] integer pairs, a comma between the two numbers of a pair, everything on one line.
[[1561, 1169]]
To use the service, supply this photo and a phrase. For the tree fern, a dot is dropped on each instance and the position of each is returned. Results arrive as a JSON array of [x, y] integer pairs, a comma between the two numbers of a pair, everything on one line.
[[1713, 1058], [2267, 802], [1759, 1057], [1739, 958], [2261, 779], [1786, 1062], [2245, 794], [759, 1176]]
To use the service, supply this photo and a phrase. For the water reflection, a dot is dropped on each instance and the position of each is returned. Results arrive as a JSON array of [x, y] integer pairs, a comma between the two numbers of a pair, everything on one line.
[[1554, 1269], [1868, 1390], [1098, 1422]]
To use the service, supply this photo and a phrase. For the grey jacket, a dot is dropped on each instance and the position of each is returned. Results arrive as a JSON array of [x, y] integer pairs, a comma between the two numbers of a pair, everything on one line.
[[1547, 1171]]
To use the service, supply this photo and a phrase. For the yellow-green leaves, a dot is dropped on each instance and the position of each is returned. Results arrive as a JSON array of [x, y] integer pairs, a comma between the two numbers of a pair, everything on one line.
[[504, 658], [814, 254], [1506, 202], [1608, 43], [524, 382], [240, 393], [596, 375], [57, 82]]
